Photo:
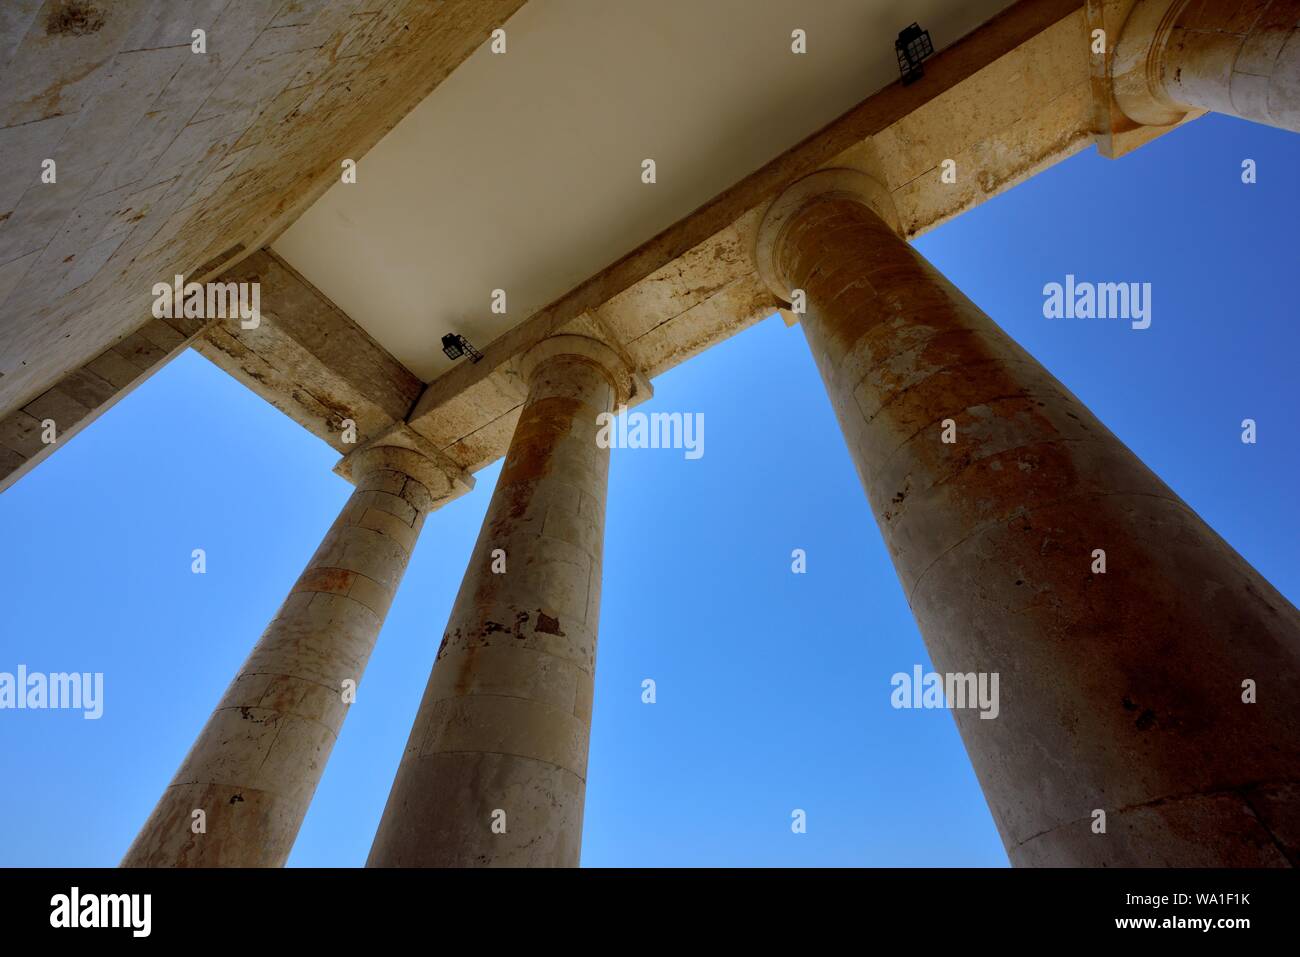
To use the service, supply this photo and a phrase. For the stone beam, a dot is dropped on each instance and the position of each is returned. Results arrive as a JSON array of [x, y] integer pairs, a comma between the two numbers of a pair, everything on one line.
[[86, 393], [309, 359], [174, 161]]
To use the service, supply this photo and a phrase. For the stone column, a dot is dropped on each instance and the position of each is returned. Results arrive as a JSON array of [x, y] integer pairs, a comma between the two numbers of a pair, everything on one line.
[[256, 763], [1120, 691], [494, 772], [1240, 57]]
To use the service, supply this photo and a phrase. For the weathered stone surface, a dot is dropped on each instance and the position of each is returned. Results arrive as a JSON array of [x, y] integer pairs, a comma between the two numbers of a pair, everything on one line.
[[1240, 57], [256, 763], [309, 359], [503, 727], [1120, 691], [167, 158]]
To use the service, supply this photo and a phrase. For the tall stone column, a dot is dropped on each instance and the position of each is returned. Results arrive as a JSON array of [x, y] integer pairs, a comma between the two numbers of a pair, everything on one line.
[[494, 772], [1240, 57], [1120, 691], [256, 763]]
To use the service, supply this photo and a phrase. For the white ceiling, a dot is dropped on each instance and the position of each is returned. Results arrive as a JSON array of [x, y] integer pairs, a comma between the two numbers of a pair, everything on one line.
[[522, 170]]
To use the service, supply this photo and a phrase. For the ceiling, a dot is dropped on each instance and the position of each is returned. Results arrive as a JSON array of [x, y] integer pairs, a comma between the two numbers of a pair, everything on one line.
[[523, 170]]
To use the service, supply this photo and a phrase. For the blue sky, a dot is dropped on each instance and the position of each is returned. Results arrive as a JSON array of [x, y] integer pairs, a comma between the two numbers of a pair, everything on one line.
[[773, 688]]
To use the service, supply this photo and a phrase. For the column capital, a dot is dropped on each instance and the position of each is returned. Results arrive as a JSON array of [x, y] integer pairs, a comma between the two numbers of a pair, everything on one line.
[[628, 383], [1237, 57], [839, 182], [1136, 70], [403, 449]]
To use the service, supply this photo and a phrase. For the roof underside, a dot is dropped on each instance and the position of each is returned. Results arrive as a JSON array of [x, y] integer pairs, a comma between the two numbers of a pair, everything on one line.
[[477, 171], [523, 170]]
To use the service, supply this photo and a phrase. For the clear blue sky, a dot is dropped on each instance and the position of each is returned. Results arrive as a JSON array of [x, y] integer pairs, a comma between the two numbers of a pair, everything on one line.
[[773, 688]]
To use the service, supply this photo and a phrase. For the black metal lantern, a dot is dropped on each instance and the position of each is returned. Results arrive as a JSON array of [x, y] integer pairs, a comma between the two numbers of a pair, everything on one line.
[[454, 346], [912, 46]]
